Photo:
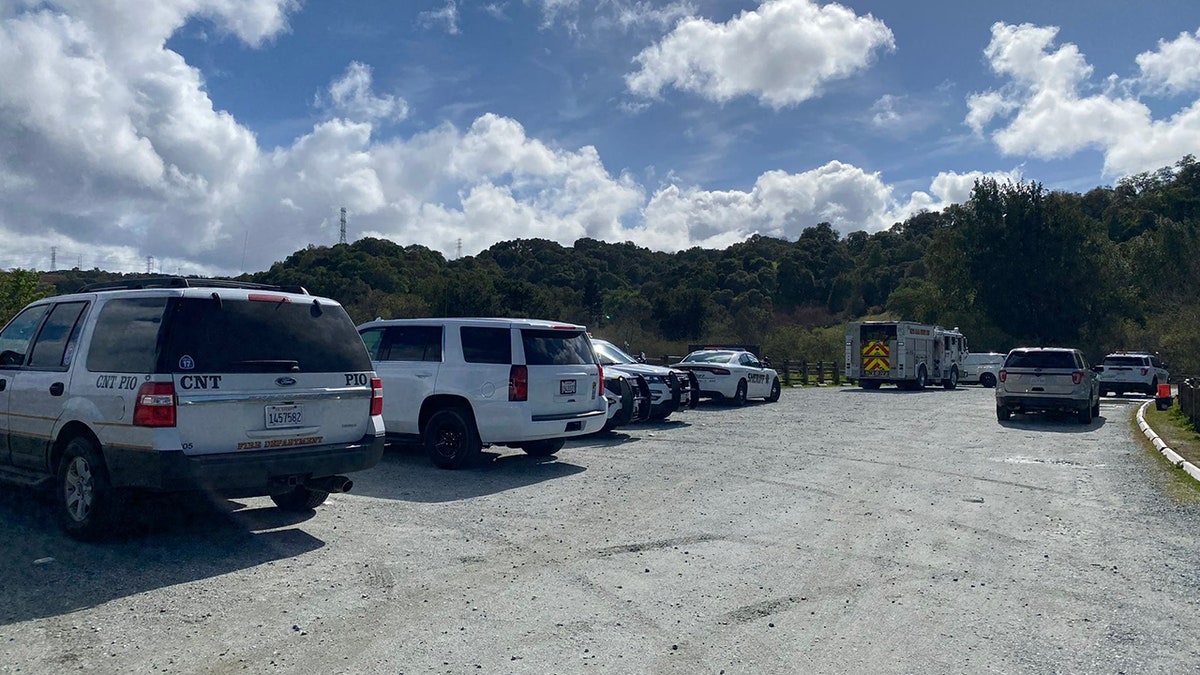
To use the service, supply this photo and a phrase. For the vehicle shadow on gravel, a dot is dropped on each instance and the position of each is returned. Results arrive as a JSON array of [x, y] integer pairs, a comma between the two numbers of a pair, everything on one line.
[[1060, 423], [166, 542], [406, 474], [903, 392]]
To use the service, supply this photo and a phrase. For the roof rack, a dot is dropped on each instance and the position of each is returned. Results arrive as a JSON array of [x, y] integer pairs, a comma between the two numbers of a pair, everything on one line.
[[185, 282]]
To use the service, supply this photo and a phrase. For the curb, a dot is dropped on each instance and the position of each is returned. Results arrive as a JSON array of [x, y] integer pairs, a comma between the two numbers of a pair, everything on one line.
[[1172, 456]]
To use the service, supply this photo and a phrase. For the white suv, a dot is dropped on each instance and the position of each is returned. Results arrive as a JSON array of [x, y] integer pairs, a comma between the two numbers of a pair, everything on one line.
[[1132, 371], [173, 384], [1038, 379], [457, 384]]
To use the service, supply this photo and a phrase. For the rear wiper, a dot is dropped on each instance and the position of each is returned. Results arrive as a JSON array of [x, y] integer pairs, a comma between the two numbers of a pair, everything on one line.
[[267, 366]]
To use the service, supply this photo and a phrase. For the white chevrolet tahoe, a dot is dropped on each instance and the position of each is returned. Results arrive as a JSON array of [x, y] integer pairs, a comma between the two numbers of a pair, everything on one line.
[[457, 384], [173, 384]]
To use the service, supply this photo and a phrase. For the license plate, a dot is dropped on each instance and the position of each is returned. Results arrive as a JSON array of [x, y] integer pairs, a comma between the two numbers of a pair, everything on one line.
[[283, 416], [877, 373], [566, 386]]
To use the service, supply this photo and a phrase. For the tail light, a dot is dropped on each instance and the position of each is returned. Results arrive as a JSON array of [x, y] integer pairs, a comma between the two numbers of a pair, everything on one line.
[[155, 405], [718, 371], [1145, 370], [518, 383], [1077, 377], [600, 372], [376, 396], [1003, 375]]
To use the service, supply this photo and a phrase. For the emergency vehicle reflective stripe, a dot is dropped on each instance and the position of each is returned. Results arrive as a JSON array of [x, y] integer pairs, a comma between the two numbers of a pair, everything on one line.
[[876, 363], [875, 348]]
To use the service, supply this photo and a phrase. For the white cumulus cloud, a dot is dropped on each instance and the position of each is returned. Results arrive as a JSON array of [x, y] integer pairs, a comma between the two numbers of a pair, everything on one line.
[[1174, 68], [1050, 109], [781, 53]]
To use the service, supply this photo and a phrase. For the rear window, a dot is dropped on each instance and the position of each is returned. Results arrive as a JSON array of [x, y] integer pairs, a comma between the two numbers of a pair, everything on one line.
[[556, 347], [1064, 360], [1124, 360], [255, 336]]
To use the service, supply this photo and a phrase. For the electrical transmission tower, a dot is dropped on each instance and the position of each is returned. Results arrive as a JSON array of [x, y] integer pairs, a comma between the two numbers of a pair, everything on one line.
[[149, 264], [342, 238], [53, 258], [458, 250]]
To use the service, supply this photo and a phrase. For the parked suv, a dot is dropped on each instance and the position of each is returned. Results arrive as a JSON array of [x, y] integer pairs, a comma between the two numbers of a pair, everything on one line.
[[982, 367], [1132, 371], [457, 384], [173, 384], [1047, 378]]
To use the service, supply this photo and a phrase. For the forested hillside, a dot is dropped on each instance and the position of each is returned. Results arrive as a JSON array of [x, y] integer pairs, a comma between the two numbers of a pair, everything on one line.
[[1115, 268]]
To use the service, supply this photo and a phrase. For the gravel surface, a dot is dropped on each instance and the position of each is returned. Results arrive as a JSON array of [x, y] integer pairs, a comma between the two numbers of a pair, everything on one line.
[[837, 530]]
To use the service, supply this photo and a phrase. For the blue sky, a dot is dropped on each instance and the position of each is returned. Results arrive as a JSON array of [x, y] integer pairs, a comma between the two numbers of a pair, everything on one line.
[[215, 137]]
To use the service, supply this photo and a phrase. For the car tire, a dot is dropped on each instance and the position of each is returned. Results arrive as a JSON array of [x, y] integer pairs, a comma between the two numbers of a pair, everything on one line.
[[739, 396], [1096, 407], [300, 498], [1153, 387], [450, 438], [1084, 414], [952, 381], [869, 384], [775, 391], [1003, 413], [543, 448], [988, 380], [87, 504]]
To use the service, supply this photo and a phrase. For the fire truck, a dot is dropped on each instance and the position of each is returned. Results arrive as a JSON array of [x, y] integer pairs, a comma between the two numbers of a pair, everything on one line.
[[905, 353]]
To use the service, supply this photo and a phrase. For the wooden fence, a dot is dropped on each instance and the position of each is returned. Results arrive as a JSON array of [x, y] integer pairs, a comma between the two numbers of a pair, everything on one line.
[[792, 373], [1189, 400]]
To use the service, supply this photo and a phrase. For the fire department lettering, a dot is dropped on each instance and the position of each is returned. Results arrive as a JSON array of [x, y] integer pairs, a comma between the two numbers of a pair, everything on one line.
[[200, 382]]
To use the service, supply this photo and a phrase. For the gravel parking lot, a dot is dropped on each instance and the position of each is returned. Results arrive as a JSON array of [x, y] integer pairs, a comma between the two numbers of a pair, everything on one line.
[[837, 530]]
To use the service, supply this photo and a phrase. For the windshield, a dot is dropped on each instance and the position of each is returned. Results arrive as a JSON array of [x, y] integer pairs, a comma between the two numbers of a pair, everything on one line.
[[609, 354]]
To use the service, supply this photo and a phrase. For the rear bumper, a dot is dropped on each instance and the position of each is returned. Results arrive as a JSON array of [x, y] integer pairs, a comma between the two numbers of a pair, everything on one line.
[[238, 474], [1040, 403], [1127, 385], [513, 423]]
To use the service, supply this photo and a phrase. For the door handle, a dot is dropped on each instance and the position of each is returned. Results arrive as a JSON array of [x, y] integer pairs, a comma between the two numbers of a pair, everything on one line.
[[57, 389]]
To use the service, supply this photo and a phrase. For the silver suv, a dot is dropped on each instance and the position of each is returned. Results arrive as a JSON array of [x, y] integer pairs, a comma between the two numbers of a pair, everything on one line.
[[173, 384], [457, 384], [1037, 379], [1132, 371]]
